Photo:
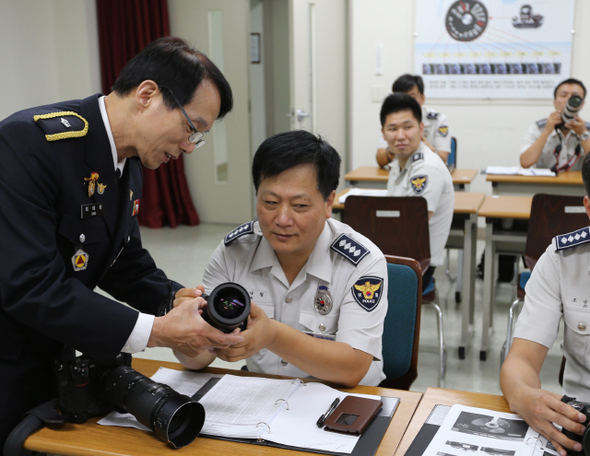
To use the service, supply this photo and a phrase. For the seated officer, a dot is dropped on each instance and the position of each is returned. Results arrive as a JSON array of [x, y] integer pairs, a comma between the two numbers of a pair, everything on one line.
[[417, 171], [551, 143], [436, 128], [309, 274], [558, 289]]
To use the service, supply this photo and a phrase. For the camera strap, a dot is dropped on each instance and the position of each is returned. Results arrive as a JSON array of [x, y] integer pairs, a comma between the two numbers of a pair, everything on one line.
[[35, 418], [572, 160]]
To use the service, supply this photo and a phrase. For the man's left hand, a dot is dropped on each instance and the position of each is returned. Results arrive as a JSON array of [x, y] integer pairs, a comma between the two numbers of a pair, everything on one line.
[[577, 125]]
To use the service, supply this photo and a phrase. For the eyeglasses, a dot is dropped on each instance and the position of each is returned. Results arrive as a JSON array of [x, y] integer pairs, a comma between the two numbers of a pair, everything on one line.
[[196, 137]]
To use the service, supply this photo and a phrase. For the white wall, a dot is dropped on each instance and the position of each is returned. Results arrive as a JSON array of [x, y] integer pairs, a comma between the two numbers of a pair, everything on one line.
[[488, 132], [48, 52]]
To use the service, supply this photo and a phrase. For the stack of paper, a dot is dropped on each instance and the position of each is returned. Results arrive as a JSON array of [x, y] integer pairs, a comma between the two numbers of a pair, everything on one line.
[[518, 171]]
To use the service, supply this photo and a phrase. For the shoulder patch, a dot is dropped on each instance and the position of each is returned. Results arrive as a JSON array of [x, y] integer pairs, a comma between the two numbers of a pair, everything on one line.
[[565, 241], [417, 156], [541, 123], [350, 249], [62, 125], [432, 115], [443, 130], [419, 183], [246, 228], [367, 292]]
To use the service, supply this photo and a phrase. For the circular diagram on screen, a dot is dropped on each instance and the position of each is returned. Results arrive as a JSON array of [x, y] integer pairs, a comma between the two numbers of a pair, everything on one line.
[[466, 20]]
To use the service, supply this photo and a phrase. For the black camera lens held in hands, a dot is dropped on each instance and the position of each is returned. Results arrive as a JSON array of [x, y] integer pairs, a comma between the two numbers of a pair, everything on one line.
[[89, 389], [228, 307], [584, 439], [573, 106]]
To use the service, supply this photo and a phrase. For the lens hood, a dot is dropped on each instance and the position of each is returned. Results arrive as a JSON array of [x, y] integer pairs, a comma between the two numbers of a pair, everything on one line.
[[228, 307]]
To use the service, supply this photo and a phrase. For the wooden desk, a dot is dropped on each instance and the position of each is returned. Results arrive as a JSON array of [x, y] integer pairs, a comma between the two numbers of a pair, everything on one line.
[[435, 396], [375, 177], [92, 439], [504, 234], [463, 235], [566, 183]]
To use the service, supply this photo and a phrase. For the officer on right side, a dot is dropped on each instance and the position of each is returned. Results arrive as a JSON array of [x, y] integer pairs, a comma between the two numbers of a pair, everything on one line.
[[559, 288], [554, 144]]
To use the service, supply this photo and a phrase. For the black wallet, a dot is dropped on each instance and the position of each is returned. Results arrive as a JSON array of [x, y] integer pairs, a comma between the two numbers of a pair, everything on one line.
[[353, 415]]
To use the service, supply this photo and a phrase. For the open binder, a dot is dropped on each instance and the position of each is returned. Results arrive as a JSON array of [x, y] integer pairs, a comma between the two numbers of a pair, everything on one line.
[[286, 413]]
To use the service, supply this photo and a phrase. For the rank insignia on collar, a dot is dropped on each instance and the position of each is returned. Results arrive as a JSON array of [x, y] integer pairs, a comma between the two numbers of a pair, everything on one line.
[[417, 156], [246, 228], [565, 241], [432, 115], [418, 183], [323, 300], [80, 260], [350, 249], [91, 182], [367, 292], [135, 208], [443, 130]]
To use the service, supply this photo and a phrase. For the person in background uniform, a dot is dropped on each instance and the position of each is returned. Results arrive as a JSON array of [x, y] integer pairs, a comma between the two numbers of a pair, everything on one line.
[[68, 223], [319, 289], [551, 143], [557, 289], [436, 127], [418, 171]]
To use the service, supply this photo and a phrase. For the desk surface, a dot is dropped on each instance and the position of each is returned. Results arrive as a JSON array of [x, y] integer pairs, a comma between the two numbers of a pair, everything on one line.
[[94, 440], [434, 396], [465, 202], [376, 174], [565, 178], [506, 206]]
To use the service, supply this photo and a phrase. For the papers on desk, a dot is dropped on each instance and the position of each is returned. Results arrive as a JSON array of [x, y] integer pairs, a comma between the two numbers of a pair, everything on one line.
[[470, 429], [284, 412], [361, 192], [518, 171]]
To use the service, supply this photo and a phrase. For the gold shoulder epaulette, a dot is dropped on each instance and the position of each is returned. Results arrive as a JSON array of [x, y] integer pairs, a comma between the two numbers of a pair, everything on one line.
[[62, 125]]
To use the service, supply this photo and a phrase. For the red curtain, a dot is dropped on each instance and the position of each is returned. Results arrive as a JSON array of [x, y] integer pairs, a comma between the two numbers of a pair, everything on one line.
[[125, 28]]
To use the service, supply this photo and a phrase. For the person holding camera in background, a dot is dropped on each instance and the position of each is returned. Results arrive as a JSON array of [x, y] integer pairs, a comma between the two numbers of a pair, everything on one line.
[[560, 141], [318, 288], [436, 126], [559, 288], [68, 223]]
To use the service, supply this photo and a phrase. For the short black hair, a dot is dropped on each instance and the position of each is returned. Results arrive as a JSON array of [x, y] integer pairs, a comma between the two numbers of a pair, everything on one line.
[[171, 62], [399, 101], [570, 81], [287, 150], [586, 173], [406, 82]]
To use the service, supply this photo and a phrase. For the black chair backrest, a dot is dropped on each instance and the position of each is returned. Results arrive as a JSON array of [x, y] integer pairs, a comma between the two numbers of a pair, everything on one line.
[[552, 215], [398, 225]]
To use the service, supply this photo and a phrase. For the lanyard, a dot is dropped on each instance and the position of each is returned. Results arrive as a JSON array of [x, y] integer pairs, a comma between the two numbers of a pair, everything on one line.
[[572, 160]]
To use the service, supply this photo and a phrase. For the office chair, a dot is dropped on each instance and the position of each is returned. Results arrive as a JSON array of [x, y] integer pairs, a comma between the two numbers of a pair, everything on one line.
[[398, 225], [550, 215], [401, 332]]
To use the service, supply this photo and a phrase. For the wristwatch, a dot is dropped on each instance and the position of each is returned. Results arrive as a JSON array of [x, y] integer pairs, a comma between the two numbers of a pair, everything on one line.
[[584, 136]]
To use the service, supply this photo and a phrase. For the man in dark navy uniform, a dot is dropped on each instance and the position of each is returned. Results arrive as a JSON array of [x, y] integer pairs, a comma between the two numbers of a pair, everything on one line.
[[68, 223]]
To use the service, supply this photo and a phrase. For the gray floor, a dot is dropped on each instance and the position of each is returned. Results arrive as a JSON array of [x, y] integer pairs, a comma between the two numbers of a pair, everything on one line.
[[184, 251]]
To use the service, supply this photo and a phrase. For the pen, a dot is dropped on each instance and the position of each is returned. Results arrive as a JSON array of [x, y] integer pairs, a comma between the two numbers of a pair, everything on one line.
[[325, 416]]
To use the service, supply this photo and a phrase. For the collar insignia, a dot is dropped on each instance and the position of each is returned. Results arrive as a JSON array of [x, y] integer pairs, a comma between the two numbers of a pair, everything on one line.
[[565, 241], [350, 249], [246, 228]]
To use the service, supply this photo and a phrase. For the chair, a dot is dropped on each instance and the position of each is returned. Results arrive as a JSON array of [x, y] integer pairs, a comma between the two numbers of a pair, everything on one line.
[[401, 333], [550, 215], [452, 158], [398, 225]]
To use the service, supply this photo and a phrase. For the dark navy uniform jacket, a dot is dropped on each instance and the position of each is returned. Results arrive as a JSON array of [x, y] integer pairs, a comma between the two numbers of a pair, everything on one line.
[[44, 302]]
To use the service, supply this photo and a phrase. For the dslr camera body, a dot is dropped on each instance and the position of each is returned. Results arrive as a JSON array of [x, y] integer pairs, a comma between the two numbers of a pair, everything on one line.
[[87, 388], [584, 439]]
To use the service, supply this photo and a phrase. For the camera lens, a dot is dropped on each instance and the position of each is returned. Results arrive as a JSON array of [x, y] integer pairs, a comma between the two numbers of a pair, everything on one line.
[[571, 108], [174, 417], [228, 307]]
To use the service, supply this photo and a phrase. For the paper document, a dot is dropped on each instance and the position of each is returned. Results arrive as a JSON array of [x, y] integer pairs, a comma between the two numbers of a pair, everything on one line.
[[518, 171], [362, 192], [481, 431]]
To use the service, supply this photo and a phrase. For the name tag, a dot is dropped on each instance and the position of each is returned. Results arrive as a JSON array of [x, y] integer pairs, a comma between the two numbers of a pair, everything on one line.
[[91, 210]]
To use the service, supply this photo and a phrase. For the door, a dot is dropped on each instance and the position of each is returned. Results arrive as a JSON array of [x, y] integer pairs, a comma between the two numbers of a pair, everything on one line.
[[218, 173]]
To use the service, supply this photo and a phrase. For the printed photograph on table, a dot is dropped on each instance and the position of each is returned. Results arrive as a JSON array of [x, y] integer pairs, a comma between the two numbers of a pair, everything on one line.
[[493, 48]]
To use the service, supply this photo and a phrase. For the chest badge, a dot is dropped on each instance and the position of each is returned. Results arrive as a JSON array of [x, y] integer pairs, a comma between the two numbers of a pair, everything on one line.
[[135, 208], [80, 260], [323, 300], [93, 183], [101, 188]]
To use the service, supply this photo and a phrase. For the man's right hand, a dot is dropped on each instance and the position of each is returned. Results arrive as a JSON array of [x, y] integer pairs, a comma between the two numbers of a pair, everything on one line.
[[553, 120], [184, 330]]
